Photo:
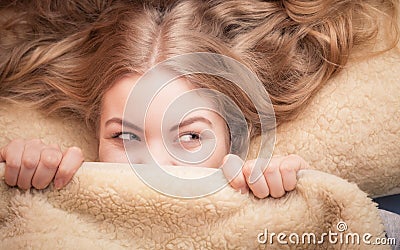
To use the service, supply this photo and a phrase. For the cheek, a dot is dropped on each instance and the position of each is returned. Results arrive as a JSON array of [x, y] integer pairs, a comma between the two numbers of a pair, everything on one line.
[[223, 139], [111, 153], [221, 149]]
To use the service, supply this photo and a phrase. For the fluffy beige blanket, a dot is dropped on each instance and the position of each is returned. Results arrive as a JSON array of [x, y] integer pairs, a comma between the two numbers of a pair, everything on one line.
[[108, 207]]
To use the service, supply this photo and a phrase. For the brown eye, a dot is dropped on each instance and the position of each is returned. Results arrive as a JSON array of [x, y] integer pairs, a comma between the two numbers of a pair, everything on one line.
[[189, 140], [189, 137]]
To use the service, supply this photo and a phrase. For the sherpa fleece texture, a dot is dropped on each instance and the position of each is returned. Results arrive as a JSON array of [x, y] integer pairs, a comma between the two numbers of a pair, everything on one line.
[[352, 127], [107, 207]]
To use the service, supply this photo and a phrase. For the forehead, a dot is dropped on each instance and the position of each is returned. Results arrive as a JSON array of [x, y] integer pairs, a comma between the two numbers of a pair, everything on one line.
[[122, 88], [178, 95], [114, 99]]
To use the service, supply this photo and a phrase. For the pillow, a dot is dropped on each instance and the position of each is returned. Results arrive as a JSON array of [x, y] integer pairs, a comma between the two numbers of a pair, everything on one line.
[[20, 121], [352, 127]]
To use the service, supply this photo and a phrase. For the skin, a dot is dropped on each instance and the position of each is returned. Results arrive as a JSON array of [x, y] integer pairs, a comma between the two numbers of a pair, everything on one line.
[[31, 163]]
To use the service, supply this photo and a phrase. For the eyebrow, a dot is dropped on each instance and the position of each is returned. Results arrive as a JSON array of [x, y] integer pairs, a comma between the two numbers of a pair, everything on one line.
[[190, 121], [124, 123], [175, 127]]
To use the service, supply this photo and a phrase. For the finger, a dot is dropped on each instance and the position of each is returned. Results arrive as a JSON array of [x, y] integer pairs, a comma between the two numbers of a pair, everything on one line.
[[255, 179], [2, 155], [274, 179], [29, 162], [232, 169], [50, 159], [70, 163], [289, 168], [55, 146], [13, 155]]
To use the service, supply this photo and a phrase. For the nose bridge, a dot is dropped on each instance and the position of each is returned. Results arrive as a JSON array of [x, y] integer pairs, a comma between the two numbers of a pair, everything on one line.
[[158, 153]]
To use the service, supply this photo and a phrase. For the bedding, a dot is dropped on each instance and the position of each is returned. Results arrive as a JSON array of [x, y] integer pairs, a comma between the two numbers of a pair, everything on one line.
[[107, 207], [352, 127]]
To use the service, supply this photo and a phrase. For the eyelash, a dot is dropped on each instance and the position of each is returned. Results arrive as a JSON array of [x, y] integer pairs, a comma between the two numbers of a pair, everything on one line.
[[118, 134], [190, 133]]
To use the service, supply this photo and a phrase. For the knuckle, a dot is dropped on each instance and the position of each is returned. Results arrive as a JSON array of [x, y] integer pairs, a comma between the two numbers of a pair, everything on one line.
[[286, 167], [51, 158], [55, 146], [77, 151], [13, 163], [16, 141], [35, 141], [29, 162], [270, 169], [294, 157], [248, 168]]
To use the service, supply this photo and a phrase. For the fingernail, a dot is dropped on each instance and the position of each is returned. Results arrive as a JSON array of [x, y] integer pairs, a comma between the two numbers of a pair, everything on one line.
[[58, 183], [255, 175], [257, 171], [244, 190], [232, 166]]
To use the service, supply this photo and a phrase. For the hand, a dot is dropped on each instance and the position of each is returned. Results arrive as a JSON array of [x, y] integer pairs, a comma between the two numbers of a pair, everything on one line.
[[33, 163], [276, 179]]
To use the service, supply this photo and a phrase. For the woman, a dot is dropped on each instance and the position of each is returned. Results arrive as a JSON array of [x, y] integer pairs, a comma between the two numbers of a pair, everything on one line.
[[287, 45], [33, 163]]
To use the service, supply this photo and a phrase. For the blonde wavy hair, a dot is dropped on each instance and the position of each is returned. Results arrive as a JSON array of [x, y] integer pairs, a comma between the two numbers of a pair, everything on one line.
[[62, 56]]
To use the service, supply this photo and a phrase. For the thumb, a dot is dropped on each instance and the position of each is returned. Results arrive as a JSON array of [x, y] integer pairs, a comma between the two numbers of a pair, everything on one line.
[[2, 155], [232, 169]]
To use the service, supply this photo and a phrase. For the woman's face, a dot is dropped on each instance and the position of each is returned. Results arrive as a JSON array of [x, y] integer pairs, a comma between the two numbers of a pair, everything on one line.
[[201, 130]]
